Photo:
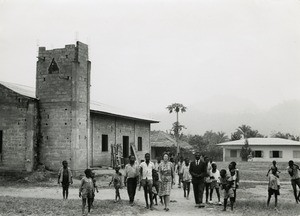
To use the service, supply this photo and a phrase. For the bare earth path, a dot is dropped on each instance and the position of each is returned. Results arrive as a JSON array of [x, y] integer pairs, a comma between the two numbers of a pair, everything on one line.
[[179, 206]]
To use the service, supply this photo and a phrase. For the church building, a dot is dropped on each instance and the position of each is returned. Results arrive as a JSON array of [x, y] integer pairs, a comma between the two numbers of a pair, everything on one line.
[[57, 120]]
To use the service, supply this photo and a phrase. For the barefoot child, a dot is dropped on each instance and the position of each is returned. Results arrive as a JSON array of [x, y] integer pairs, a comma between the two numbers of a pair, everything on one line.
[[274, 186], [226, 185], [275, 167], [86, 190], [155, 185], [65, 178], [234, 172], [186, 178], [117, 181], [215, 182], [95, 187]]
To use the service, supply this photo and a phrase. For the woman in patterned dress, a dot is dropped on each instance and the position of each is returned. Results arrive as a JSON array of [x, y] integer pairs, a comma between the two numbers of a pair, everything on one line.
[[166, 178]]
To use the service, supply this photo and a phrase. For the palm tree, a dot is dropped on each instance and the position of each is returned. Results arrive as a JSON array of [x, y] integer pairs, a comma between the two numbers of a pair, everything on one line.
[[177, 107], [245, 130]]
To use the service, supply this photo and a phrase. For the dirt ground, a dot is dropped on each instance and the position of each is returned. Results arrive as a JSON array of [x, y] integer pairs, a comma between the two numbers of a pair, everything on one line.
[[178, 206]]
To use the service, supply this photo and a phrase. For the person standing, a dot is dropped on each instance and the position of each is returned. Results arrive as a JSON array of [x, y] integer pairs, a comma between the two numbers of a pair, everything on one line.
[[131, 178], [186, 178], [198, 170], [166, 177], [179, 168], [65, 178], [146, 169], [293, 170]]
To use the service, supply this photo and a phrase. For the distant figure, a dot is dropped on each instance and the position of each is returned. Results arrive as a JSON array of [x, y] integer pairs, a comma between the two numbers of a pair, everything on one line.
[[155, 186], [235, 173], [274, 166], [207, 181], [117, 181], [186, 178], [178, 169], [86, 190], [226, 185], [274, 186], [65, 178], [215, 182], [95, 187], [131, 178], [140, 185], [146, 169], [198, 170], [157, 163], [293, 170], [166, 178]]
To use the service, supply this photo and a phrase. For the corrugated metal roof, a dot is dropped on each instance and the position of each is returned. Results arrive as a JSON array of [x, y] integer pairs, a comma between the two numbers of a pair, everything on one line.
[[21, 89], [96, 107], [262, 142], [162, 139]]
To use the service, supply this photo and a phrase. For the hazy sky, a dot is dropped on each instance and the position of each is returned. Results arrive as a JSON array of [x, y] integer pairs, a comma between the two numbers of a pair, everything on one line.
[[148, 54]]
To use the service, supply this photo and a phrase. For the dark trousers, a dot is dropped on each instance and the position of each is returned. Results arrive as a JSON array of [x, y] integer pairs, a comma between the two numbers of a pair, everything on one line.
[[131, 188], [198, 187]]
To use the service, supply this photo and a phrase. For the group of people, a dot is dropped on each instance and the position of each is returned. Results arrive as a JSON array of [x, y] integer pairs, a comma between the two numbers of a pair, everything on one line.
[[157, 181]]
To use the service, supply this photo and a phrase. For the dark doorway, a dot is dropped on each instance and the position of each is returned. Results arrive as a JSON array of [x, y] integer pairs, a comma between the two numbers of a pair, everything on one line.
[[125, 147]]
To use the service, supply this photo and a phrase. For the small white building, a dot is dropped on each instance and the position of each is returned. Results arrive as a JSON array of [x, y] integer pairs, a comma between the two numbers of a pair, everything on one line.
[[264, 149]]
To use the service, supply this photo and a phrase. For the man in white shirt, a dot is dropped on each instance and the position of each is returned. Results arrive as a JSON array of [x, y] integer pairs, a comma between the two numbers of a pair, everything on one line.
[[146, 168]]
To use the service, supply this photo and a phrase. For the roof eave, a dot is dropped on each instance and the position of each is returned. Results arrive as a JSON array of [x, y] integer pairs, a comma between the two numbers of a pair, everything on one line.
[[123, 116]]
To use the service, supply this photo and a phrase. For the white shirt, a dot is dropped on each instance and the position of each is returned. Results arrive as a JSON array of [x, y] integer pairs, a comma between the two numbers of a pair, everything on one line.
[[147, 170], [216, 175]]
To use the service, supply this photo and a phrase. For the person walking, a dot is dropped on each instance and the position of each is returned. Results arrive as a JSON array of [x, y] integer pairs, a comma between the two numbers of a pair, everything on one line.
[[146, 169], [198, 170], [131, 178], [293, 170], [166, 177]]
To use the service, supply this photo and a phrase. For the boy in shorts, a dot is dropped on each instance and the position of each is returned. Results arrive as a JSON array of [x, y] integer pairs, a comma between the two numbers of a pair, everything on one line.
[[226, 185]]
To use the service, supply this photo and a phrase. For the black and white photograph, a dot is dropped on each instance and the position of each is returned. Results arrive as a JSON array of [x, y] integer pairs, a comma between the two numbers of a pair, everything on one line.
[[150, 107]]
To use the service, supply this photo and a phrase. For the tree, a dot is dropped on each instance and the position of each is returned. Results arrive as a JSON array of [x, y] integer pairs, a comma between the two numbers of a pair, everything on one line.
[[286, 136], [245, 131], [177, 107], [245, 151]]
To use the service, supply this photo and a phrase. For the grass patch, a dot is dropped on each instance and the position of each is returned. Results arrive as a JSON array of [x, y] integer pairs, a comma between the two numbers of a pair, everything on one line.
[[33, 206]]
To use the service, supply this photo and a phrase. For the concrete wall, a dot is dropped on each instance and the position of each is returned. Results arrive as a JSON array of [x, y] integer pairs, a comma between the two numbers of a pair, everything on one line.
[[116, 128], [18, 122], [64, 105], [287, 153]]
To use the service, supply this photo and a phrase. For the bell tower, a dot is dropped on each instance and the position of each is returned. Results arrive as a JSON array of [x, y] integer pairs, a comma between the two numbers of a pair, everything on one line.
[[63, 90]]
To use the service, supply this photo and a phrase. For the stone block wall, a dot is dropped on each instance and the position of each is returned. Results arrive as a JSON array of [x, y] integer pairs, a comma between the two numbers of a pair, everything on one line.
[[18, 123], [62, 86], [116, 128]]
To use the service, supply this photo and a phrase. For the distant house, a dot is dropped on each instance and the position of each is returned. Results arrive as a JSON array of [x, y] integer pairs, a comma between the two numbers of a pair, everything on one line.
[[264, 149], [162, 142]]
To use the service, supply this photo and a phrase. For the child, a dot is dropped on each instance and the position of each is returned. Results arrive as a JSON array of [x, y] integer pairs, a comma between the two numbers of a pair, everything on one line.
[[226, 185], [186, 178], [117, 180], [274, 186], [65, 178], [207, 179], [95, 187], [155, 185], [215, 181], [236, 177], [86, 190], [275, 167], [140, 185]]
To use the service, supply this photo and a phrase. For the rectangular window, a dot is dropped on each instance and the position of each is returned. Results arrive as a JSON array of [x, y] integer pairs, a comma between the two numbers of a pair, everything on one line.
[[140, 144], [104, 142], [1, 145], [258, 154], [233, 153], [275, 154], [296, 154]]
